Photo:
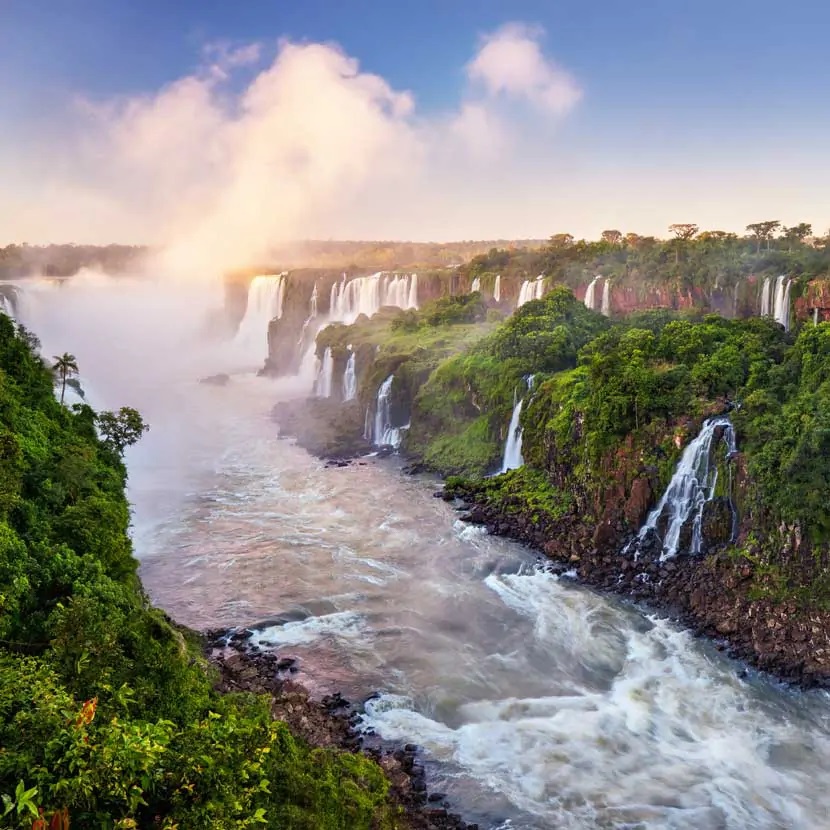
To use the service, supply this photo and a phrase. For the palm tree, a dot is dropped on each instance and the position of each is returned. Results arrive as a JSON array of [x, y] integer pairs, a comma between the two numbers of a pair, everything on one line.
[[64, 367]]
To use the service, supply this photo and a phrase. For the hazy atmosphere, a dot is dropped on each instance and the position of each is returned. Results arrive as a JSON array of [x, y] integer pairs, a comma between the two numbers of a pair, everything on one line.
[[414, 417]]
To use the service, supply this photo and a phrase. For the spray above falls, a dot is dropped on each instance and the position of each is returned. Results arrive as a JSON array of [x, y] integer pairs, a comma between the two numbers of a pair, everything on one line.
[[691, 487]]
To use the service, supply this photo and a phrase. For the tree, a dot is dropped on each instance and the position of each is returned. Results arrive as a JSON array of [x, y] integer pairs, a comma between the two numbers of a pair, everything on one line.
[[121, 429], [561, 240], [717, 236], [797, 233], [684, 231], [763, 230], [612, 237], [65, 367]]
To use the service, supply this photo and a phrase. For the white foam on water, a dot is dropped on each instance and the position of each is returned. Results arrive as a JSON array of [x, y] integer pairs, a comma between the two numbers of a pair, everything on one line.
[[671, 741], [341, 624]]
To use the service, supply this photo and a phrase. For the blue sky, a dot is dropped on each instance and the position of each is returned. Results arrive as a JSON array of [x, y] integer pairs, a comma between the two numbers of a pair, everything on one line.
[[710, 109]]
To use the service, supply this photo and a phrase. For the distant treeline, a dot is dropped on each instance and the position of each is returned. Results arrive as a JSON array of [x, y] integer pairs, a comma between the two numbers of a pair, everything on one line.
[[66, 260]]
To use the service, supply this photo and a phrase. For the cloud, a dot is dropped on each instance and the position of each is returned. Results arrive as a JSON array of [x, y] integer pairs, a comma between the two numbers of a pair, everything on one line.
[[510, 62], [254, 149]]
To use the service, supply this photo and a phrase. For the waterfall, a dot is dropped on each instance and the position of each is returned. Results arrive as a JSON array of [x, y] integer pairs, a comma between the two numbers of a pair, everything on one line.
[[606, 298], [766, 297], [366, 295], [513, 444], [350, 378], [815, 316], [266, 295], [690, 488], [325, 375], [781, 307], [497, 289], [735, 298], [412, 299], [312, 315], [6, 306], [384, 434], [590, 301], [531, 290], [476, 286]]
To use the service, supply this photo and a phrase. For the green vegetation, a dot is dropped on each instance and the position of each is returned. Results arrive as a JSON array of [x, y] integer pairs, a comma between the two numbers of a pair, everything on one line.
[[689, 262], [108, 718]]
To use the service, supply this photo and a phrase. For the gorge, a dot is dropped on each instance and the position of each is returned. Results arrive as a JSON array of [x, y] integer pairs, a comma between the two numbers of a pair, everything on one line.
[[538, 701]]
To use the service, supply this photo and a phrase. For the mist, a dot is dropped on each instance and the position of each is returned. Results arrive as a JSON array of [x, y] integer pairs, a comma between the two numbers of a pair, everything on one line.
[[262, 145]]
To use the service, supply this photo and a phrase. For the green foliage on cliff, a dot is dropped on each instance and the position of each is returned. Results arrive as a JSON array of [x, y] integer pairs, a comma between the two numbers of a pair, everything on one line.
[[461, 413], [106, 709]]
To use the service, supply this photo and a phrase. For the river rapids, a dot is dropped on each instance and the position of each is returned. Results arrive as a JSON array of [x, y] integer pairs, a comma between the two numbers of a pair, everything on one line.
[[539, 704]]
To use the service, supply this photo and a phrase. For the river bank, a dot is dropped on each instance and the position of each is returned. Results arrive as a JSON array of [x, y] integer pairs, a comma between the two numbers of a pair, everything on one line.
[[711, 595], [332, 722]]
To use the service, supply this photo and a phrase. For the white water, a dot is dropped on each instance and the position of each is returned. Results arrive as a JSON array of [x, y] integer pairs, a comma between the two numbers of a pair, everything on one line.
[[540, 705], [735, 298], [323, 385], [606, 298], [531, 290], [766, 297], [350, 378], [691, 487], [590, 300], [476, 286], [367, 295], [266, 294], [384, 434], [781, 307], [512, 459], [497, 289]]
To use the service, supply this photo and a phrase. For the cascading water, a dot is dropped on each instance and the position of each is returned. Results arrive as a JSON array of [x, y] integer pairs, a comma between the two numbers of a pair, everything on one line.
[[366, 295], [735, 298], [690, 488], [513, 445], [512, 458], [781, 308], [497, 289], [384, 434], [606, 298], [531, 290], [266, 295], [350, 378], [590, 299], [766, 297], [325, 376], [476, 286], [6, 306]]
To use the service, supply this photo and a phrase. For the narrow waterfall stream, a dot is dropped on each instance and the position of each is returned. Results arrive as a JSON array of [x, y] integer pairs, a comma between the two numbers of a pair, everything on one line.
[[540, 705], [350, 378], [590, 293]]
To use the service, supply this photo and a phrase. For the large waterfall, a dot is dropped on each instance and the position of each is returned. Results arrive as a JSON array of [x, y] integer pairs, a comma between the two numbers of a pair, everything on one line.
[[266, 294], [325, 375], [531, 290], [497, 289], [590, 293], [476, 286], [7, 305], [350, 378], [367, 295], [383, 433], [606, 298], [690, 488]]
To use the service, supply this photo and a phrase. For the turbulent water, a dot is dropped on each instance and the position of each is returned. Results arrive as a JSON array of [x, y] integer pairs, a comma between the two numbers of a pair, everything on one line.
[[541, 705]]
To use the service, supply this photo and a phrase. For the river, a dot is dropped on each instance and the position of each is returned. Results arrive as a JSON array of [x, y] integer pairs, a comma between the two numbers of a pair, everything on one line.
[[539, 704]]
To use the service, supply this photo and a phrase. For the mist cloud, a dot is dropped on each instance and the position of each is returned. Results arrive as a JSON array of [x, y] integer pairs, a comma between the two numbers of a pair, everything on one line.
[[220, 165]]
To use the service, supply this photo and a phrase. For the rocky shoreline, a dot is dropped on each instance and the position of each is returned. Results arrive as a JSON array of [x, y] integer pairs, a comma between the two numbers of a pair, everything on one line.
[[710, 594], [329, 723]]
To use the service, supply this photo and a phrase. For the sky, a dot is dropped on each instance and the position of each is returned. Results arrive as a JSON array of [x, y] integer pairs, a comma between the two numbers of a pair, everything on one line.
[[228, 126]]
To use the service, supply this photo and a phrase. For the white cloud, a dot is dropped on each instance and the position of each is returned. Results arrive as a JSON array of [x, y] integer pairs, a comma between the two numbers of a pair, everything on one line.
[[247, 152], [510, 62]]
